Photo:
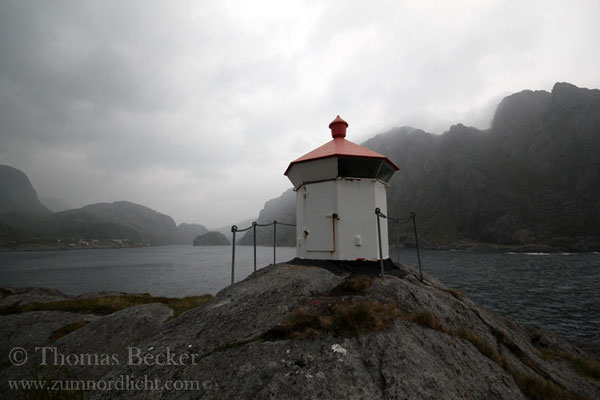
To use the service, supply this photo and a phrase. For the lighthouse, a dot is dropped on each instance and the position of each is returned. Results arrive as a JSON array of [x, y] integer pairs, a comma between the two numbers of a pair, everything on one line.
[[338, 187]]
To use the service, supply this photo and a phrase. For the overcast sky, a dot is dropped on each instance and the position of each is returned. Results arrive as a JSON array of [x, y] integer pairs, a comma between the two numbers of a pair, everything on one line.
[[195, 108]]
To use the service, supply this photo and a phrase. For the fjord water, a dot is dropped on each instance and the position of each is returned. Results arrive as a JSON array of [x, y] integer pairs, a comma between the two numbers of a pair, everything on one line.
[[558, 291], [173, 271]]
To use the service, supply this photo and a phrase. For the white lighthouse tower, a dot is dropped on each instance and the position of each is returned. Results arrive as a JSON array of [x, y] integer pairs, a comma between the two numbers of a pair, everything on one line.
[[338, 186]]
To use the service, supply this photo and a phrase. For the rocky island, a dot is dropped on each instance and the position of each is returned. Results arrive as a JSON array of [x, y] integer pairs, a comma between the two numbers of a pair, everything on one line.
[[301, 329], [211, 239]]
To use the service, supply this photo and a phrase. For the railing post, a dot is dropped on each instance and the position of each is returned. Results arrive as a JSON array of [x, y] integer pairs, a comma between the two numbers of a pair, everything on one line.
[[377, 212], [398, 243], [254, 240], [274, 240], [233, 230], [412, 214]]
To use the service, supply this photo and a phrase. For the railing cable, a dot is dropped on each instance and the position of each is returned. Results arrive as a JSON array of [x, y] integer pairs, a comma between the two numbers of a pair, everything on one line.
[[235, 229], [399, 221]]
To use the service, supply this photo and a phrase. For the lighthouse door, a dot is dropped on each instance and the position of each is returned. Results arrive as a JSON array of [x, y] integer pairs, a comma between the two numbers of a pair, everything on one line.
[[319, 208]]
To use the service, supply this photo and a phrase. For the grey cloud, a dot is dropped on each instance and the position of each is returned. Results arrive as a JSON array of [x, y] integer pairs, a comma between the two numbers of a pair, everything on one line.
[[195, 108]]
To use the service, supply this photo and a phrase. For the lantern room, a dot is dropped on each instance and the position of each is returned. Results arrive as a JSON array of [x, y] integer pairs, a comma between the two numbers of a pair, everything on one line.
[[338, 187]]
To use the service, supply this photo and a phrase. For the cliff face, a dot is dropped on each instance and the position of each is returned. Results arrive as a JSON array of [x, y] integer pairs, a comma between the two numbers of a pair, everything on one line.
[[532, 178], [329, 330], [18, 193]]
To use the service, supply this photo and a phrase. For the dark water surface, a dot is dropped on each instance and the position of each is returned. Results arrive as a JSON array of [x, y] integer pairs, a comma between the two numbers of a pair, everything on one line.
[[173, 271], [560, 291]]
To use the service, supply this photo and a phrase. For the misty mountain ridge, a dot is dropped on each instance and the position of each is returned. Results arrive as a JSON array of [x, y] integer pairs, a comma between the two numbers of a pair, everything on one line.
[[18, 195], [24, 220], [151, 226], [533, 177]]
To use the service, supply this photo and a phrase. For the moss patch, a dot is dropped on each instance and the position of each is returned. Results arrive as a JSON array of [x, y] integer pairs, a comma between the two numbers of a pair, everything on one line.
[[428, 320], [345, 319], [65, 330], [352, 286]]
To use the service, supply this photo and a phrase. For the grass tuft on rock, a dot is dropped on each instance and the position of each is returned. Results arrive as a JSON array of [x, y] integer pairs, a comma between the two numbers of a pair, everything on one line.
[[538, 388], [585, 367], [354, 318], [456, 293], [352, 286], [480, 344], [350, 319], [342, 319], [105, 305], [65, 330], [427, 319]]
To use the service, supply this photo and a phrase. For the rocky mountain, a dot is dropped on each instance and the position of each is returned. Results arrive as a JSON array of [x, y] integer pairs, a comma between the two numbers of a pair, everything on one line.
[[122, 219], [300, 330], [18, 195], [188, 232], [24, 221], [532, 178], [212, 239]]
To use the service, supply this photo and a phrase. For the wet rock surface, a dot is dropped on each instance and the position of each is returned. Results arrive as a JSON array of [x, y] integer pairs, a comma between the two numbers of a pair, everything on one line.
[[438, 344]]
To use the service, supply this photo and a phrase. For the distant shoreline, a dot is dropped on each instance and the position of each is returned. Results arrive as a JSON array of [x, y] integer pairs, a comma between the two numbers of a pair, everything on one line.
[[462, 246], [48, 247]]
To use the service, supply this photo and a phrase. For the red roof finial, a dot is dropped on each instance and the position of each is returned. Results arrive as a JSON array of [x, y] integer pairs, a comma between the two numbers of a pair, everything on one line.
[[338, 128]]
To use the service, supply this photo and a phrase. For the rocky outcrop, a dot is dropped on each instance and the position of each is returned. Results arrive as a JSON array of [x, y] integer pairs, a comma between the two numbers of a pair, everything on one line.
[[330, 330], [89, 352], [212, 239], [35, 329], [29, 295]]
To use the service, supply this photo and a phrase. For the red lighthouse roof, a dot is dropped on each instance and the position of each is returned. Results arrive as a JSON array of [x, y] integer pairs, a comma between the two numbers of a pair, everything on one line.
[[339, 146]]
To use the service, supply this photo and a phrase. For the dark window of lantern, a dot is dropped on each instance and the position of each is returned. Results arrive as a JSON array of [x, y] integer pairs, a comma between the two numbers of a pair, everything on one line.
[[358, 167], [349, 167]]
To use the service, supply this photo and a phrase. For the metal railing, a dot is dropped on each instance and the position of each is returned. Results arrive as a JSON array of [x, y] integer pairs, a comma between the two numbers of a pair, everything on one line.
[[234, 230], [400, 221]]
